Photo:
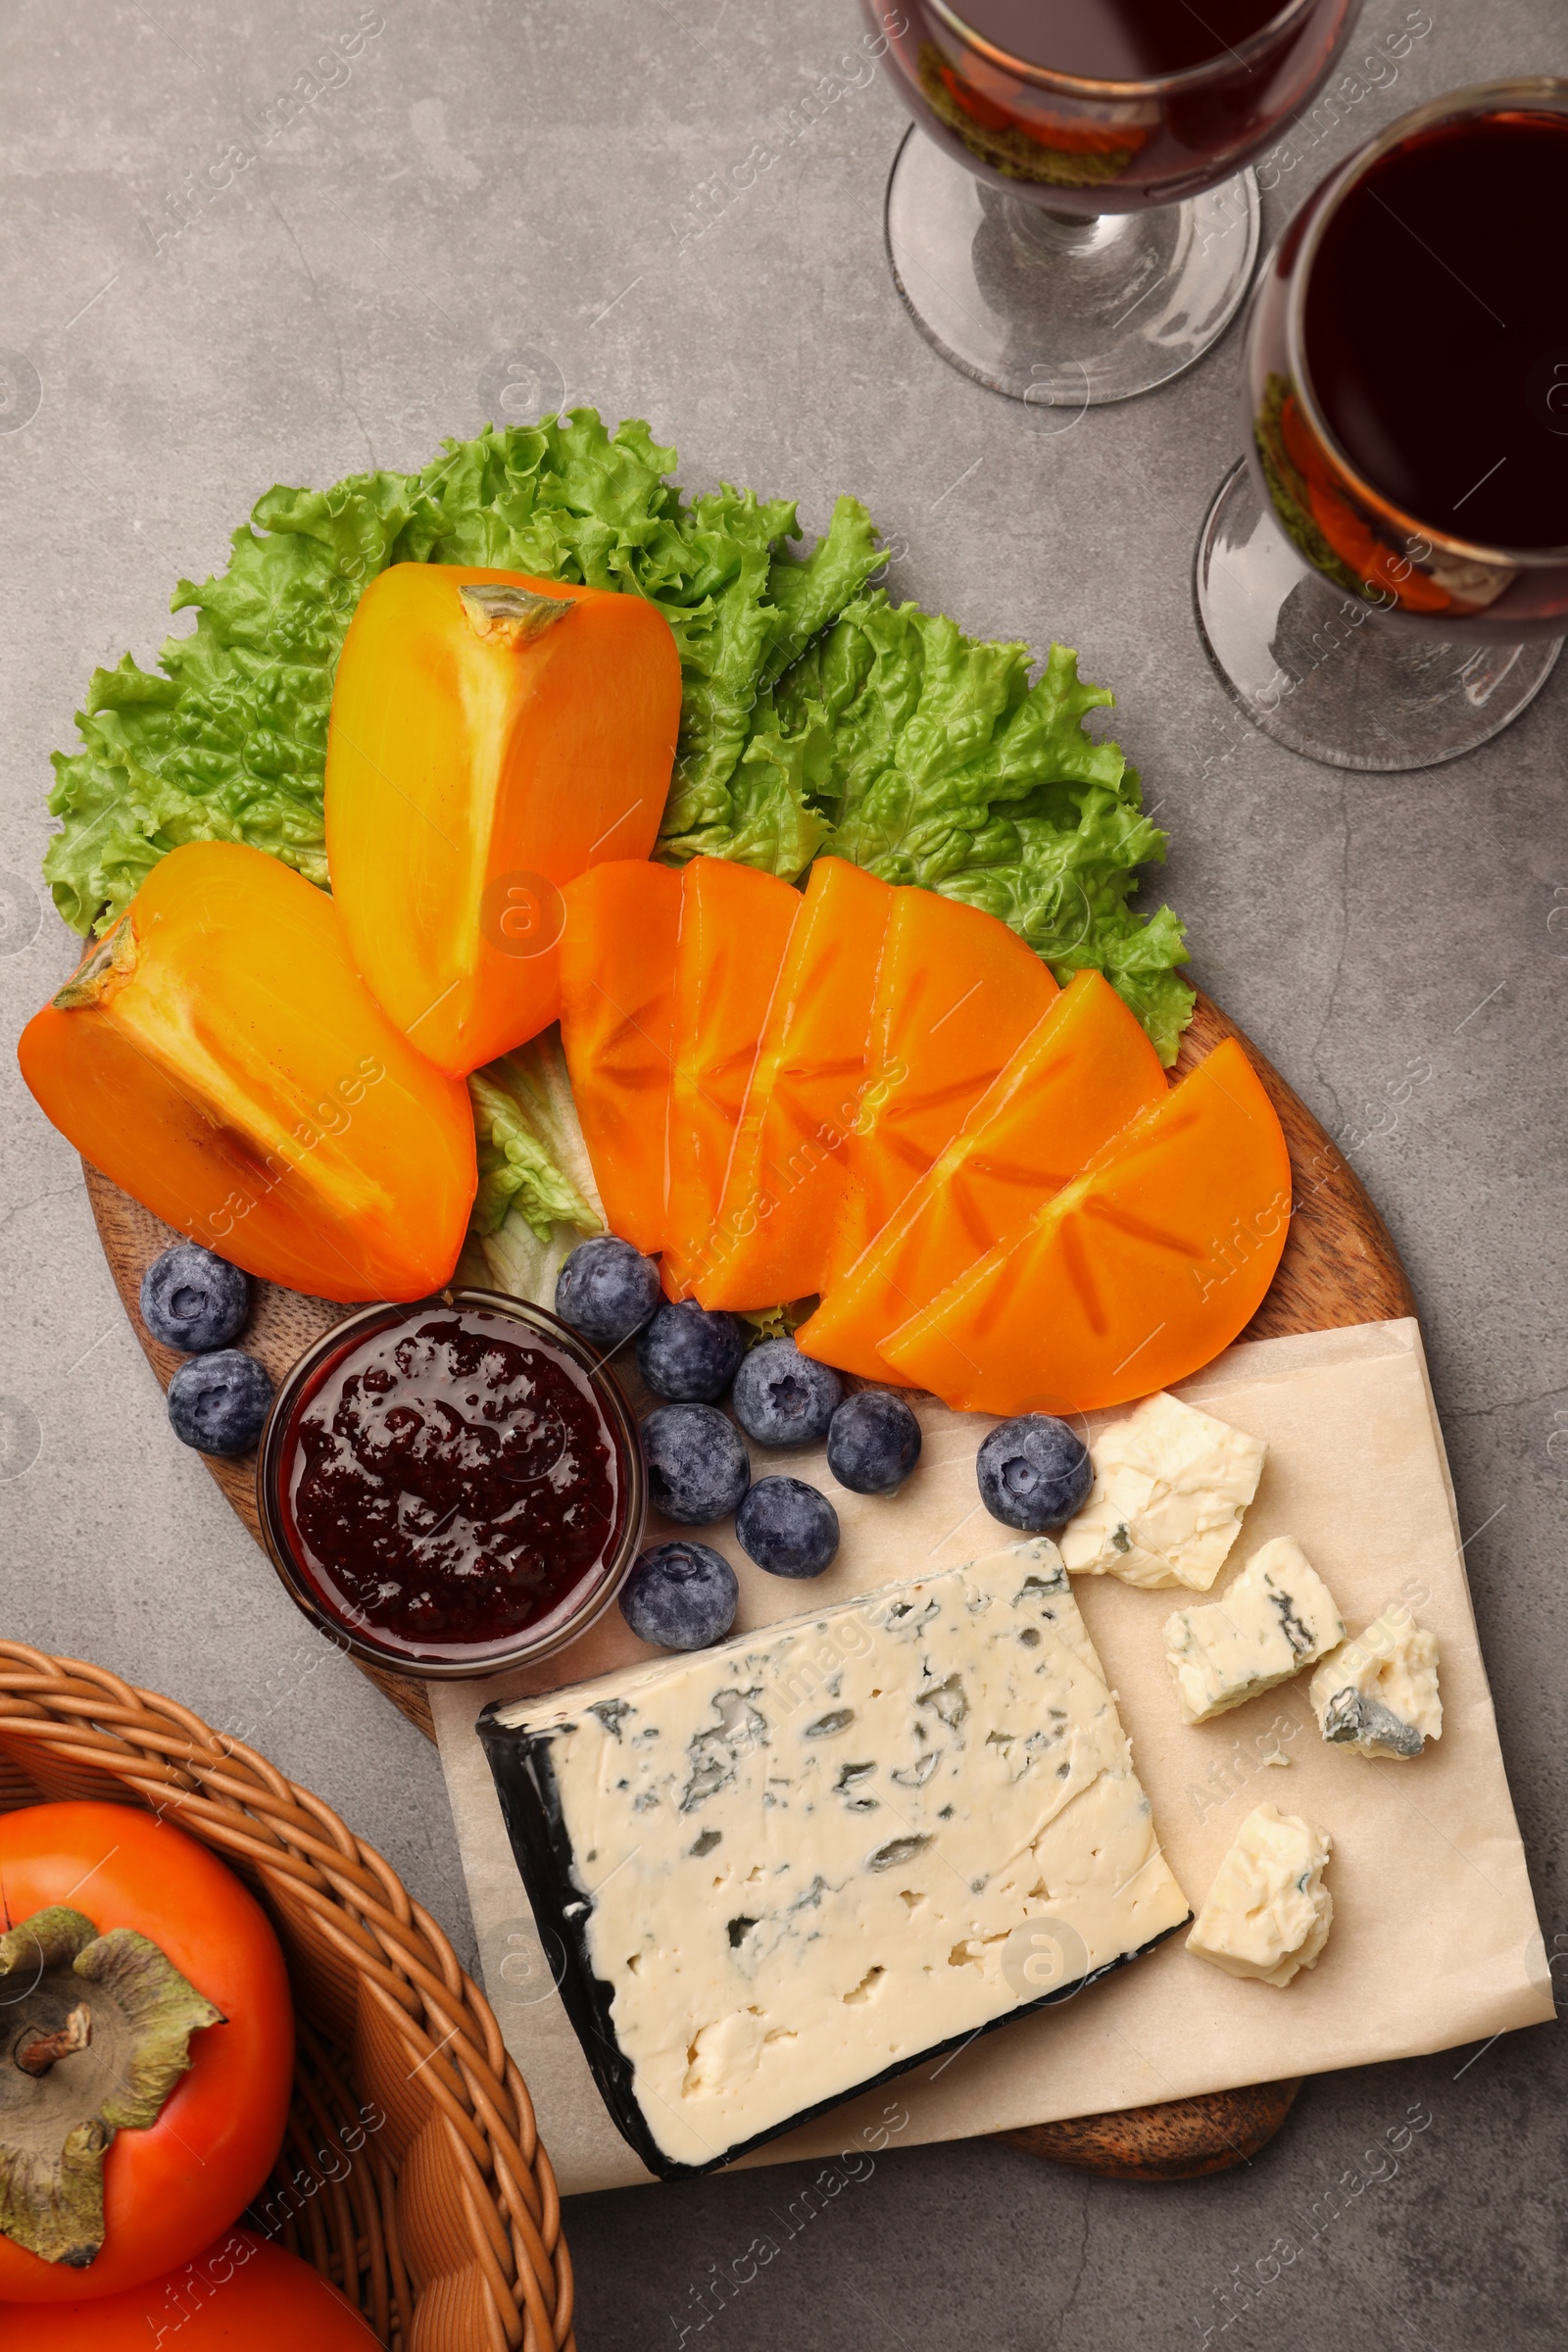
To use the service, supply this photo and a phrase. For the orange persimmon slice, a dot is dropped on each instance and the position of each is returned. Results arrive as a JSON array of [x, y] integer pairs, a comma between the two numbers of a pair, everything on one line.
[[956, 993], [1132, 1276], [220, 1058], [1084, 1072], [789, 1172], [618, 1018], [735, 925], [491, 737]]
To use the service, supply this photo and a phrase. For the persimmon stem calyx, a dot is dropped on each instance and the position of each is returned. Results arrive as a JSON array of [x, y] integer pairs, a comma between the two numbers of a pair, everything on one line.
[[38, 2053], [122, 2011]]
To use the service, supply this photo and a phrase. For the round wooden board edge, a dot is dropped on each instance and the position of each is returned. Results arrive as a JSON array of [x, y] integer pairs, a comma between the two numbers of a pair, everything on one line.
[[1339, 1267]]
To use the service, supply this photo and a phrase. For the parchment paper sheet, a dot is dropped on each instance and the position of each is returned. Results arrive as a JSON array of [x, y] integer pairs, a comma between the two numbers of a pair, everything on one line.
[[1435, 1940]]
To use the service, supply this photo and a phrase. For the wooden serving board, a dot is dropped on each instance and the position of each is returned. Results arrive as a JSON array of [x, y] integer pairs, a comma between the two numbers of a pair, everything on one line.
[[1339, 1267]]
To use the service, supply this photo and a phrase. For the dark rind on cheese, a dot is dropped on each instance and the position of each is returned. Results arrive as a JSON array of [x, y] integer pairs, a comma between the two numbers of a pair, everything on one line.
[[530, 1806]]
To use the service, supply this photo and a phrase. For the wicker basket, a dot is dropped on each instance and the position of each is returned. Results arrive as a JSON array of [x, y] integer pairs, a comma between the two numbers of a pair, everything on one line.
[[413, 2174]]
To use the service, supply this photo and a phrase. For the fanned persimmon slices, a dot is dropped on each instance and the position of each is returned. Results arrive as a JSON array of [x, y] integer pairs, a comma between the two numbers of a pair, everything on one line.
[[788, 1176], [1134, 1275], [617, 1020], [1083, 1073], [958, 992], [735, 924]]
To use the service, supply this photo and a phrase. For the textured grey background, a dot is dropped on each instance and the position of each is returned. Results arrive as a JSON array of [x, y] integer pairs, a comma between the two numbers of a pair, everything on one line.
[[565, 180]]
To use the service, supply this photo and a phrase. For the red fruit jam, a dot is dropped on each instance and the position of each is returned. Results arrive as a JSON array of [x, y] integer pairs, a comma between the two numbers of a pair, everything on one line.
[[449, 1483]]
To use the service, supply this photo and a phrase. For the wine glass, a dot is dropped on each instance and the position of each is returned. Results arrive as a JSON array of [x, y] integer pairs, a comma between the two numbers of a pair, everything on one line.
[[1383, 581], [1069, 220]]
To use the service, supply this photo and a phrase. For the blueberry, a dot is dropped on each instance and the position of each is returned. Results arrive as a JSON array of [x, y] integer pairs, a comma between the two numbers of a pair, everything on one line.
[[782, 1398], [607, 1290], [219, 1403], [688, 1354], [192, 1300], [1034, 1473], [696, 1466], [787, 1527], [682, 1595], [874, 1442]]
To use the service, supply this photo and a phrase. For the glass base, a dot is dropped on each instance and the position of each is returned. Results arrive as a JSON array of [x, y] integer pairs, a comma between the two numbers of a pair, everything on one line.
[[1317, 670], [1058, 311]]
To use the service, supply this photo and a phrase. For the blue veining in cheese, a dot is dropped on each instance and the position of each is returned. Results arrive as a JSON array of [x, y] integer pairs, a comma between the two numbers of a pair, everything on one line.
[[1379, 1694], [1274, 1618], [815, 1853]]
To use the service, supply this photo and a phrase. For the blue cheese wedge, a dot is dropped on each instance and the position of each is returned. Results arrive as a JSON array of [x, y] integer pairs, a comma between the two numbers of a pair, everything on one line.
[[1379, 1693], [1274, 1618], [1170, 1486], [1268, 1911], [792, 1865]]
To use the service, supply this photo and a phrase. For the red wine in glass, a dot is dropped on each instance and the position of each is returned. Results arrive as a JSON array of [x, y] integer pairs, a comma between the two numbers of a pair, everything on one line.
[[1436, 340], [1119, 40], [1076, 223], [1167, 99], [1406, 389]]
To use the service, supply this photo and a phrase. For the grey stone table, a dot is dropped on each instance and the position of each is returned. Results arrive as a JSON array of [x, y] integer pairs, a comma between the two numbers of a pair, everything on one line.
[[585, 180]]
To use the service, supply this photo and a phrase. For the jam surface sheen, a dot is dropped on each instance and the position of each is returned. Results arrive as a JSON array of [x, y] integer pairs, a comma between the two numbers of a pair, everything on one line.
[[451, 1483]]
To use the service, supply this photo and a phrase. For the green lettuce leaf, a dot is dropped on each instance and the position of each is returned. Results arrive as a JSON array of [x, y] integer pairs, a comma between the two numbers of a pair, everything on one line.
[[777, 1322], [228, 743], [734, 795], [814, 713], [939, 763], [537, 1197]]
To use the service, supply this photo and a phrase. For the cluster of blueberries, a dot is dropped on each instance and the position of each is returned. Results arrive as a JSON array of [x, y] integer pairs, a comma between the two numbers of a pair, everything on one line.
[[218, 1401], [1034, 1472]]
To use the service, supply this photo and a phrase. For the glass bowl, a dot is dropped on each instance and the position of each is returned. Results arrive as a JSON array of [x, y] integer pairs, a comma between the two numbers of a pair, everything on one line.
[[309, 1585]]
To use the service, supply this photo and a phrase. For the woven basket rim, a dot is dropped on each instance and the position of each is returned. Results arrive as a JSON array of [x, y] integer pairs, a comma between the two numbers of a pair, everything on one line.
[[226, 1794]]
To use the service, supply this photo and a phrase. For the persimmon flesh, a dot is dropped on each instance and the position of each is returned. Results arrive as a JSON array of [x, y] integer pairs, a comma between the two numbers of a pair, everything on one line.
[[1131, 1277], [491, 737], [735, 925], [787, 1181], [220, 1058], [618, 1012], [956, 993], [1085, 1071]]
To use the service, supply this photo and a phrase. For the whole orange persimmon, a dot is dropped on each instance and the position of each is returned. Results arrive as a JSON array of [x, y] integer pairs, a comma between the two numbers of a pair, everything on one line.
[[145, 2010], [241, 2295]]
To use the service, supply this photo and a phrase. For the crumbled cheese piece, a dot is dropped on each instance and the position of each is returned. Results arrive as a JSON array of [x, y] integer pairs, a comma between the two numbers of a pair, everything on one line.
[[1275, 1618], [1268, 1910], [789, 1863], [1170, 1486], [1379, 1693]]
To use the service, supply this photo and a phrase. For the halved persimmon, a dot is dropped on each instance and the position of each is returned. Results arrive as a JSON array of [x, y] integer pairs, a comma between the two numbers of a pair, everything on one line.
[[491, 737], [735, 924], [617, 1020], [957, 993], [1083, 1073], [218, 1056], [1132, 1276], [789, 1176]]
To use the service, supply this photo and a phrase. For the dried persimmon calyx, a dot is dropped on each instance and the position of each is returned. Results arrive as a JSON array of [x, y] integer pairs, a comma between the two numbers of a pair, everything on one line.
[[106, 959], [95, 2031], [501, 608]]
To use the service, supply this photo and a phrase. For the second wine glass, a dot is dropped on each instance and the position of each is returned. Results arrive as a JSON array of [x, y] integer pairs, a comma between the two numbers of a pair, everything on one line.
[[1383, 582]]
